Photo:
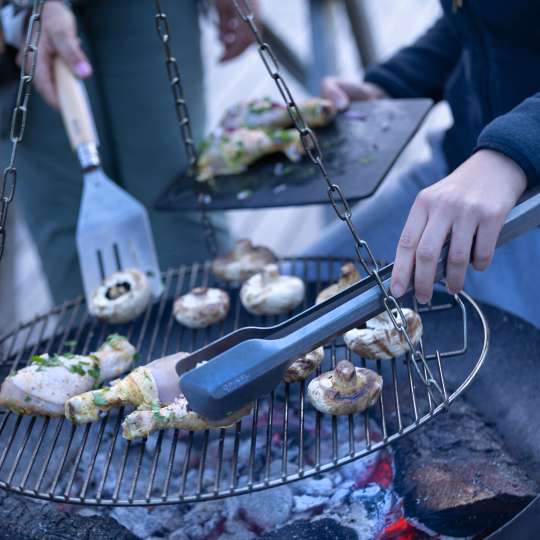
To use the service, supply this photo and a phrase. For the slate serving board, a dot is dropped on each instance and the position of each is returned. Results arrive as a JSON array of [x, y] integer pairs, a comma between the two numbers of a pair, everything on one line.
[[359, 149]]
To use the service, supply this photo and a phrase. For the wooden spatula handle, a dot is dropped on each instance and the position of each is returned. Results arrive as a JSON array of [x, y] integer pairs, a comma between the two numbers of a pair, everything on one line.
[[74, 106]]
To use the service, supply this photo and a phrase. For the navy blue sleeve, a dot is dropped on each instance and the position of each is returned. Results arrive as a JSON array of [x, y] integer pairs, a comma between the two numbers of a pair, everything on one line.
[[423, 68], [516, 134]]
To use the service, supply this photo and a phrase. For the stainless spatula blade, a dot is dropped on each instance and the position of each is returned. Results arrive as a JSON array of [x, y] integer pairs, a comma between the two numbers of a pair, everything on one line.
[[113, 233]]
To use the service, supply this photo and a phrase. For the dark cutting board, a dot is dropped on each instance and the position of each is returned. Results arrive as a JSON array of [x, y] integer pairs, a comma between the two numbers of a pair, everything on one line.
[[359, 149]]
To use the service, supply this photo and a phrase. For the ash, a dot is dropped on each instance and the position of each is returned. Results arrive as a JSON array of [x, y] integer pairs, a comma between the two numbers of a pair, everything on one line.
[[357, 498]]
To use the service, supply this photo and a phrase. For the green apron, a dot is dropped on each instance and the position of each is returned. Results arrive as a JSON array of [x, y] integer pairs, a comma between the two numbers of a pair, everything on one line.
[[141, 144]]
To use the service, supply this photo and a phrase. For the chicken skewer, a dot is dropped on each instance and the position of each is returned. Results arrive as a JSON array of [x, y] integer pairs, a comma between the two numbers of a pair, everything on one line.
[[46, 384], [146, 386]]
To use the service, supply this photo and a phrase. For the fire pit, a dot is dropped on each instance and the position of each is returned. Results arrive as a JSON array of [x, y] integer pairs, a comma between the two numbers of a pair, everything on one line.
[[346, 476]]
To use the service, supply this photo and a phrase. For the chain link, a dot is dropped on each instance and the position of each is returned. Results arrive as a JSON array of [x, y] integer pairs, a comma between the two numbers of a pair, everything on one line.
[[336, 195], [182, 113], [18, 117]]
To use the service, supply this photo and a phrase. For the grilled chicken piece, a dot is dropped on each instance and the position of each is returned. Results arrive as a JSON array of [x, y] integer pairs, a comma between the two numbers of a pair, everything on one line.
[[146, 386], [231, 152], [43, 387], [176, 415], [265, 113]]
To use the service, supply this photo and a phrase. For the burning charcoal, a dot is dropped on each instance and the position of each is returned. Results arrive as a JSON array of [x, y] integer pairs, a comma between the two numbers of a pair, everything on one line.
[[237, 530], [262, 510], [305, 503], [316, 530], [314, 486], [146, 524], [203, 520]]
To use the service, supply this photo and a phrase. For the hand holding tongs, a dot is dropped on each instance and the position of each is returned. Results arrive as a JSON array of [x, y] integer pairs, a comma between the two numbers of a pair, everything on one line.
[[250, 362]]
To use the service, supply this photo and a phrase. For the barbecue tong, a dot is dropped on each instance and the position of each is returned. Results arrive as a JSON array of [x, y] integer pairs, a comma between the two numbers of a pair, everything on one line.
[[233, 371]]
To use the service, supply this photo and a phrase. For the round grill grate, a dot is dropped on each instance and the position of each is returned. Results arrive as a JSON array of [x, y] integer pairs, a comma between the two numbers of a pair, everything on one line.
[[283, 440]]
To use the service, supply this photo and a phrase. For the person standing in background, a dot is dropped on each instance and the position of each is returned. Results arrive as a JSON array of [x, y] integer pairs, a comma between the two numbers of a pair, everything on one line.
[[114, 47]]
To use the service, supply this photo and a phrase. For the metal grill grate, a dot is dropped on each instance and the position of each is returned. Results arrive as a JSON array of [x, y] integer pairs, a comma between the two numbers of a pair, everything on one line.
[[283, 440]]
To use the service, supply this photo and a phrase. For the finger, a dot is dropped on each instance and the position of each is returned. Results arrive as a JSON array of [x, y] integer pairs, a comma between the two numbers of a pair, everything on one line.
[[43, 76], [405, 255], [459, 254], [235, 45], [427, 255], [67, 45], [485, 243], [332, 90]]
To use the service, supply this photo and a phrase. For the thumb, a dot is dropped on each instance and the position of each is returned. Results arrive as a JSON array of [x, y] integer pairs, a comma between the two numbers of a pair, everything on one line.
[[331, 89], [67, 45]]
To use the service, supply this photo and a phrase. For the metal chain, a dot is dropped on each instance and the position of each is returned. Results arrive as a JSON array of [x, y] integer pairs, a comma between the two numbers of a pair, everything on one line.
[[182, 113], [335, 194], [18, 118]]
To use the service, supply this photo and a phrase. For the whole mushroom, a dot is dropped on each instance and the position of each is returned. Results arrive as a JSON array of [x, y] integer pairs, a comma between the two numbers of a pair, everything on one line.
[[243, 261], [345, 390], [270, 293], [303, 366], [122, 297], [349, 275], [379, 339], [201, 307]]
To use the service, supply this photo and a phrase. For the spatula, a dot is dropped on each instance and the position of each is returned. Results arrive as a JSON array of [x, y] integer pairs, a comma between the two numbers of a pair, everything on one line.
[[250, 362], [113, 229]]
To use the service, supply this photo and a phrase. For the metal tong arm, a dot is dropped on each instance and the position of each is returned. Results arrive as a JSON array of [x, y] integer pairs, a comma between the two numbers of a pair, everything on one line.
[[522, 218]]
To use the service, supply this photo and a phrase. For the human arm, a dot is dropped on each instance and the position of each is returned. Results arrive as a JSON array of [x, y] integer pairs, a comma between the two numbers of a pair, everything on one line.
[[234, 34], [423, 68], [420, 70], [469, 207], [471, 203], [58, 38]]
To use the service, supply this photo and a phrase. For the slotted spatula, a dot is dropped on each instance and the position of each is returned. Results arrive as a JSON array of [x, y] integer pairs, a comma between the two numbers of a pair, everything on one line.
[[113, 229], [250, 362]]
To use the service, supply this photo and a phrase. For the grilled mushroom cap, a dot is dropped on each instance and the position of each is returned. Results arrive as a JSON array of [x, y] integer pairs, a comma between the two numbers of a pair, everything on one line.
[[270, 293], [122, 297], [349, 275], [243, 261], [201, 307], [380, 340], [345, 390], [303, 366]]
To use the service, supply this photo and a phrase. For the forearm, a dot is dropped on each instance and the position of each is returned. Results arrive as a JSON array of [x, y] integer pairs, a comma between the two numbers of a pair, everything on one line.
[[422, 69], [517, 136]]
